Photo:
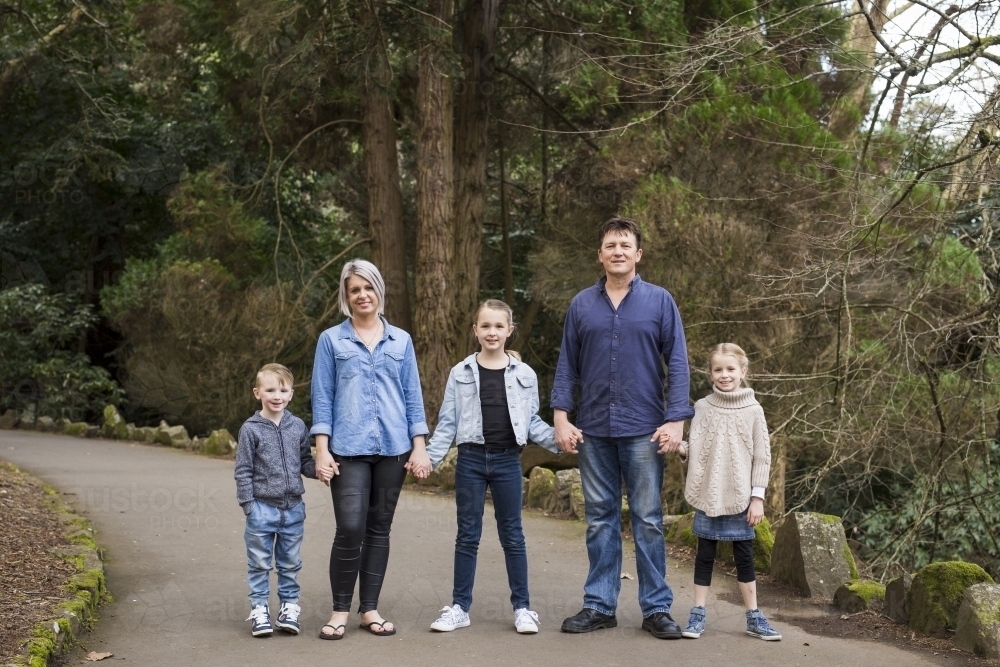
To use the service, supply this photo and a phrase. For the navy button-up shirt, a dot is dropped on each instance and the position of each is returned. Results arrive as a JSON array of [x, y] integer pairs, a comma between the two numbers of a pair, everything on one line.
[[614, 359]]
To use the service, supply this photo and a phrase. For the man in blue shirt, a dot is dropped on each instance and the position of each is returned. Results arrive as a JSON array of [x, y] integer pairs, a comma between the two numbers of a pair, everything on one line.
[[616, 338]]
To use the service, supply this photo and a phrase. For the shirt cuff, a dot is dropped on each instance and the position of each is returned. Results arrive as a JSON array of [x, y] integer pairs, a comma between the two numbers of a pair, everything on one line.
[[321, 429], [420, 428], [757, 492]]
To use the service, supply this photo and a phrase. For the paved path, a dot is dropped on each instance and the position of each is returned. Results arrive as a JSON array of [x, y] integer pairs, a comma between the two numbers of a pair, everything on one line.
[[176, 565]]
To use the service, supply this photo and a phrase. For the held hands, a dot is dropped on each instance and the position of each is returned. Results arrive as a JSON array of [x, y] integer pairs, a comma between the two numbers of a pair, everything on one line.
[[756, 512], [568, 436], [669, 436], [419, 464], [326, 467]]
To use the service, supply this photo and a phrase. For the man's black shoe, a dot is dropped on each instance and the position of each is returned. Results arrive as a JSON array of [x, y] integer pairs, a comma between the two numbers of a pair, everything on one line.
[[589, 620], [661, 626]]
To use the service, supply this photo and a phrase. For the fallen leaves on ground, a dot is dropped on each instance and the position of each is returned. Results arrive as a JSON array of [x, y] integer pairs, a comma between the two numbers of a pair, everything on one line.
[[93, 656]]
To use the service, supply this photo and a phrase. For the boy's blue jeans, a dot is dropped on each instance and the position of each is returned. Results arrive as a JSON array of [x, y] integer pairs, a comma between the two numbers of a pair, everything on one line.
[[604, 462], [279, 532], [500, 469]]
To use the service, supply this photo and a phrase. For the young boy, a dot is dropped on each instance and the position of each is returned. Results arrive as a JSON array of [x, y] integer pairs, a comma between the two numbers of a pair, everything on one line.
[[272, 455]]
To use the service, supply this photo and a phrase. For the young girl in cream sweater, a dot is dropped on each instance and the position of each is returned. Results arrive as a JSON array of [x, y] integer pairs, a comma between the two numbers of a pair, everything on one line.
[[729, 460]]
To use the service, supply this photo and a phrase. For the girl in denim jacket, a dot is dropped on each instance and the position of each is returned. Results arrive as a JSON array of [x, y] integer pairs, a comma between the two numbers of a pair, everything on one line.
[[490, 409]]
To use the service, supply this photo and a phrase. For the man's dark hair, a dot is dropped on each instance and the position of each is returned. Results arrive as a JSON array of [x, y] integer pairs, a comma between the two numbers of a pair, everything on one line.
[[620, 225]]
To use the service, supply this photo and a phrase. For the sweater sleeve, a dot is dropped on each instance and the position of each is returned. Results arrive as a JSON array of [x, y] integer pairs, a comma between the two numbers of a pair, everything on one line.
[[761, 471], [244, 468]]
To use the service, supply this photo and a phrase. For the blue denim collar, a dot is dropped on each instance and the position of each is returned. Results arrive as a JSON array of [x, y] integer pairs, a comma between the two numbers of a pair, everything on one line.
[[347, 330], [470, 361]]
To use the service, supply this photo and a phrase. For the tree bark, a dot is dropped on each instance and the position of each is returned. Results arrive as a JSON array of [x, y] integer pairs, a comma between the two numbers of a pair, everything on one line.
[[478, 32], [435, 234], [861, 43], [508, 255], [385, 201]]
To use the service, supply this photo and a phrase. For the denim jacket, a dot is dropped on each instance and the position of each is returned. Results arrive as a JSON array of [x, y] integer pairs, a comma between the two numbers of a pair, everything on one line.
[[367, 402], [461, 416]]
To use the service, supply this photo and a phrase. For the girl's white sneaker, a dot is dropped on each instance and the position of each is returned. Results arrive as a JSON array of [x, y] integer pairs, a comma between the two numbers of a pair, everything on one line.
[[526, 621], [452, 618]]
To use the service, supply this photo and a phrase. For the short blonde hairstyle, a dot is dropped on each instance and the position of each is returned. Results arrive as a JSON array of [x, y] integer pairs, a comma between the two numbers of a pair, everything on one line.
[[734, 350], [368, 271], [275, 370]]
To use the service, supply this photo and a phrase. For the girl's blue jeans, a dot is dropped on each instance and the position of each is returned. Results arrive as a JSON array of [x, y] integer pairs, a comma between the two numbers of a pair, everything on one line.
[[271, 531], [477, 468]]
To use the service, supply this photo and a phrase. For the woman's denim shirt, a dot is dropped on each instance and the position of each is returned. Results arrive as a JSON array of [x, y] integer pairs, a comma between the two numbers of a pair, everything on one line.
[[367, 402], [461, 416]]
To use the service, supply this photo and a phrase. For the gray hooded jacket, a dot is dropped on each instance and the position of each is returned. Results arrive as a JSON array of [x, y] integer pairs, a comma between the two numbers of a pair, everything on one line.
[[270, 461]]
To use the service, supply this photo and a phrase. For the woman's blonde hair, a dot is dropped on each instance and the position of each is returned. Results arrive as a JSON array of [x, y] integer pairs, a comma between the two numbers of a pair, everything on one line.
[[734, 350], [497, 304], [368, 271]]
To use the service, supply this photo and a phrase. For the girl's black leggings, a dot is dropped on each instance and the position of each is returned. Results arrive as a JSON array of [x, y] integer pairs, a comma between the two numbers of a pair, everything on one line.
[[705, 560], [365, 494]]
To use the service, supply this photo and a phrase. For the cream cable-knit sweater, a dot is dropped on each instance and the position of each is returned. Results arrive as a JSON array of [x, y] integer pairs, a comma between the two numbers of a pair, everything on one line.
[[729, 452]]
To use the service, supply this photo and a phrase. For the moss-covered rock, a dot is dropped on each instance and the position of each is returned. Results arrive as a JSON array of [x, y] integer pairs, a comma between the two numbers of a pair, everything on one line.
[[114, 425], [8, 420], [218, 443], [680, 531], [173, 436], [577, 504], [541, 485], [855, 596], [446, 469], [79, 429], [533, 456], [46, 424], [936, 595], [811, 553], [763, 546], [978, 626]]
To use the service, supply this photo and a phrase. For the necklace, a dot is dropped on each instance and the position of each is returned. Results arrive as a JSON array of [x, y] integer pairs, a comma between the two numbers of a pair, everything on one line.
[[369, 342]]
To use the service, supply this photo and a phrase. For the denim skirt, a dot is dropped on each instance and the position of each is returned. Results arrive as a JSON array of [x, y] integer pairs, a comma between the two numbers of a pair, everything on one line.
[[726, 528]]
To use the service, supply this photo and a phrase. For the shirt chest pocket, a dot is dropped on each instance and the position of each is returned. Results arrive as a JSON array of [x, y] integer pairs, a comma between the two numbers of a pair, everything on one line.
[[525, 390], [348, 365], [392, 364], [466, 386]]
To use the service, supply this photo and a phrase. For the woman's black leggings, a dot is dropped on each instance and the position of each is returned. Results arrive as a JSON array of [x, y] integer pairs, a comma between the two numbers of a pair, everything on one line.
[[705, 560], [365, 494]]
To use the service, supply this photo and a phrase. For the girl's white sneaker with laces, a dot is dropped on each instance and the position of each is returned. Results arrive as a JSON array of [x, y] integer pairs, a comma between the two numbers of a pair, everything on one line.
[[526, 621], [452, 618]]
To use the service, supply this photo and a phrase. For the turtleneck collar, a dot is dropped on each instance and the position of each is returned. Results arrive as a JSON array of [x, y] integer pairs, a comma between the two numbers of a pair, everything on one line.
[[741, 398]]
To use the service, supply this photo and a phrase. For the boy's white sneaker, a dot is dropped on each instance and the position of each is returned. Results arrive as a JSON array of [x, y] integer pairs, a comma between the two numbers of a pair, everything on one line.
[[452, 618], [261, 626], [288, 617], [526, 621]]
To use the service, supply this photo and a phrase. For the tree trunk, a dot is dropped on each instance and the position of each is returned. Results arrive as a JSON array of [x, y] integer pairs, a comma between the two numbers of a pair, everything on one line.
[[508, 255], [478, 30], [860, 47], [385, 201], [435, 237]]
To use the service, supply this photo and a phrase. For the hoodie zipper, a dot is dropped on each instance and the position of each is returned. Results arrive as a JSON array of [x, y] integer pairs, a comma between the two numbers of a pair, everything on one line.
[[284, 463]]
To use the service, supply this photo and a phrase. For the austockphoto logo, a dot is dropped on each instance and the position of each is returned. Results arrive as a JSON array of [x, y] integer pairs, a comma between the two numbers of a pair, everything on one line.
[[34, 183], [156, 500]]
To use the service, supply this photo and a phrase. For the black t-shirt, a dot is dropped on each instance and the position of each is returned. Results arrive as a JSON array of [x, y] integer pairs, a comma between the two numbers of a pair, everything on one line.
[[497, 429]]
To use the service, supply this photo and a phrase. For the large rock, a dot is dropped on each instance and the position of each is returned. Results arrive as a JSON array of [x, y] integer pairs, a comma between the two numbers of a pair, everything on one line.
[[533, 455], [680, 533], [79, 429], [173, 436], [855, 596], [46, 424], [560, 501], [577, 503], [26, 418], [9, 419], [811, 553], [446, 469], [541, 486], [978, 626], [114, 425], [936, 595], [763, 547], [218, 443], [145, 434], [895, 598]]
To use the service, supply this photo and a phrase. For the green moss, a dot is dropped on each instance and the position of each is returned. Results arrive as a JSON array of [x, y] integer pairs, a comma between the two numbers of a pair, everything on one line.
[[79, 429], [936, 595], [763, 545], [688, 538], [830, 519], [42, 645], [851, 564], [868, 591]]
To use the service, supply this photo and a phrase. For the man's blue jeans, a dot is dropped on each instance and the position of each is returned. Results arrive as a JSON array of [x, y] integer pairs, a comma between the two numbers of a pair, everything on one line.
[[279, 532], [604, 462], [476, 468]]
